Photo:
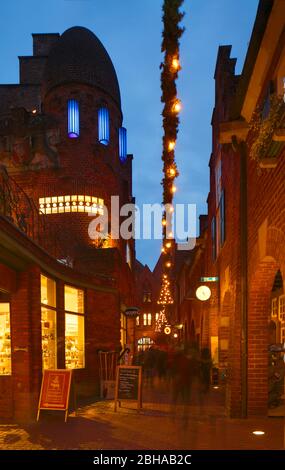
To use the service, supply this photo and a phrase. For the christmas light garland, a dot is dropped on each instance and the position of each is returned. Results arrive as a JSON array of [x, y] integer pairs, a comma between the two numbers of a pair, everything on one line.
[[170, 68]]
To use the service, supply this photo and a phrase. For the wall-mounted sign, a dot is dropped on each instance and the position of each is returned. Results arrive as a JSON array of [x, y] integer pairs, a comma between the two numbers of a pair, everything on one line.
[[209, 279], [167, 330], [203, 293]]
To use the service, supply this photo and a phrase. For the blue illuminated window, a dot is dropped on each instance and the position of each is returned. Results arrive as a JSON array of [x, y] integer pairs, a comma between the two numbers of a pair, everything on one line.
[[73, 119], [123, 143], [103, 126]]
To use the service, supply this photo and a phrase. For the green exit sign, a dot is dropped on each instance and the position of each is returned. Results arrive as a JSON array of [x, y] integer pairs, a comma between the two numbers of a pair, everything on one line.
[[209, 279]]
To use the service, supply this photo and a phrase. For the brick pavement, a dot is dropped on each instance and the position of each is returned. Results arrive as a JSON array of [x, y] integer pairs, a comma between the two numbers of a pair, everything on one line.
[[159, 425]]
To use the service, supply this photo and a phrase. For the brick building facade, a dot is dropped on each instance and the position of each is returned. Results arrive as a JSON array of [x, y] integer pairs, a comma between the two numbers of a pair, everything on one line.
[[63, 294], [243, 243]]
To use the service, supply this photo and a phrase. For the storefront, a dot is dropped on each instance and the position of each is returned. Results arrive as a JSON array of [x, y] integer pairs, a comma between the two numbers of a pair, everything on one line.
[[51, 317]]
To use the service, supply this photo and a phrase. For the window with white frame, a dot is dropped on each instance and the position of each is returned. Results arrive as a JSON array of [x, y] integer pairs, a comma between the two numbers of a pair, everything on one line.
[[281, 309]]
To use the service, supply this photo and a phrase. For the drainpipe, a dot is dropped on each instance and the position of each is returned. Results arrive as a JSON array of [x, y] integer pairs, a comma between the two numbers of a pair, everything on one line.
[[241, 148]]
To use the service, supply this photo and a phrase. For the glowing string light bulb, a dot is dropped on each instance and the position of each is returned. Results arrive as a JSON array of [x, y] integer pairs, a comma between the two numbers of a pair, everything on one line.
[[171, 145], [175, 63], [177, 106]]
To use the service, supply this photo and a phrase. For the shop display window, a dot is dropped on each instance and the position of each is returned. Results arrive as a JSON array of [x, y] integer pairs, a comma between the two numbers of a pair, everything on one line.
[[74, 328], [49, 338], [48, 322], [5, 339], [74, 341], [48, 291]]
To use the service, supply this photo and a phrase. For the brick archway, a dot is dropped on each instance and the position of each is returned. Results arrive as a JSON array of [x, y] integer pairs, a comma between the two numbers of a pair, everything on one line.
[[260, 281], [258, 320]]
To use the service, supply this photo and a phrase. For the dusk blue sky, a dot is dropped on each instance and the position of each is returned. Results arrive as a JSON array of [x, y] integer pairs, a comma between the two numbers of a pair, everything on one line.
[[131, 32]]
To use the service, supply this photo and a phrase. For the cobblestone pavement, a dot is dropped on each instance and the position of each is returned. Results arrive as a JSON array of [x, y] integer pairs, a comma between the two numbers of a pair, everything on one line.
[[159, 425]]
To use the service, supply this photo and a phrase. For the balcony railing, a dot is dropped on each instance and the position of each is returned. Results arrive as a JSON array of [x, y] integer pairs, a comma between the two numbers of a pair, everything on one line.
[[18, 208]]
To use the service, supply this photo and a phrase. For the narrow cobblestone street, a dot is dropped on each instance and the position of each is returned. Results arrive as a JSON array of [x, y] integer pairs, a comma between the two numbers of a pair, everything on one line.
[[158, 426]]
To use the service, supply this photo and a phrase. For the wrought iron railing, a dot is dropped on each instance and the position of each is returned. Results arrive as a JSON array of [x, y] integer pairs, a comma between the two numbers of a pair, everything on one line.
[[17, 207]]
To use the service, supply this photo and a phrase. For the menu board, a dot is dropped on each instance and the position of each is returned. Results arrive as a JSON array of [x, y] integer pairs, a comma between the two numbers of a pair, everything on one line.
[[55, 390], [128, 384]]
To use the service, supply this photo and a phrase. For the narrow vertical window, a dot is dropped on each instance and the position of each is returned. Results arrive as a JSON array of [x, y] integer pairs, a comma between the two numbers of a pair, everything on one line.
[[123, 143], [222, 219], [128, 255], [103, 126], [213, 233], [73, 119]]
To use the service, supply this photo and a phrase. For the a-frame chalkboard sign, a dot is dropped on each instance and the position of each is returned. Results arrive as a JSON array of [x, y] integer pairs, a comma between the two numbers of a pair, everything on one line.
[[128, 385]]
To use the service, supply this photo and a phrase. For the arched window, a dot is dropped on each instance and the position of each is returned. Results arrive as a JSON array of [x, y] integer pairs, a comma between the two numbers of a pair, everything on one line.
[[123, 143], [103, 126], [147, 294], [73, 119]]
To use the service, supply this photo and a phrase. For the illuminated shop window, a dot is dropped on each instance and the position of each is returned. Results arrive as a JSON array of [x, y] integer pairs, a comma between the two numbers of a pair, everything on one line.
[[48, 322], [103, 126], [145, 343], [156, 316], [74, 203], [138, 320], [123, 330], [73, 119], [274, 307], [282, 308], [5, 339], [74, 328], [147, 319], [48, 291], [123, 143]]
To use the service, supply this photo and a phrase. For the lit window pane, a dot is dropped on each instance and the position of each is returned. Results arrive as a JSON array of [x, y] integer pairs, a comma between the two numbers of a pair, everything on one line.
[[48, 291], [49, 338], [73, 299], [74, 341], [123, 143], [73, 119], [5, 339], [103, 126]]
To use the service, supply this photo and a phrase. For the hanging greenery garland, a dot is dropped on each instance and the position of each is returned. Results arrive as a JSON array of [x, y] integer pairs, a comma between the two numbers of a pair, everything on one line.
[[169, 74], [170, 68]]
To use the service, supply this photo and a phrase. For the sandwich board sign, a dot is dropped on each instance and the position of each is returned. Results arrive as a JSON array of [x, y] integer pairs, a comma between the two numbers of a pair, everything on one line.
[[55, 391], [128, 385]]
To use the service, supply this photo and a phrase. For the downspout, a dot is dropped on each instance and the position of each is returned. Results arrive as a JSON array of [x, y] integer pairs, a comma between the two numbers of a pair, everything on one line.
[[241, 148]]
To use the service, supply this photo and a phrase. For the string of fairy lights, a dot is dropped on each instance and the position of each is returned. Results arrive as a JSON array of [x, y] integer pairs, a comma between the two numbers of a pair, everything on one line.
[[170, 68]]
